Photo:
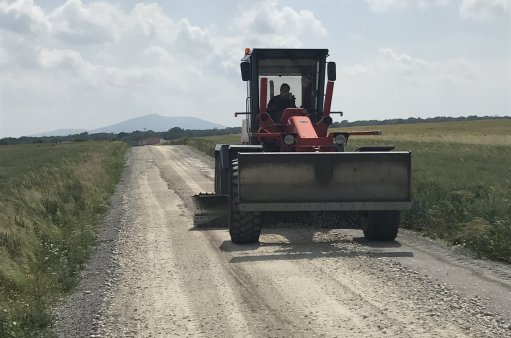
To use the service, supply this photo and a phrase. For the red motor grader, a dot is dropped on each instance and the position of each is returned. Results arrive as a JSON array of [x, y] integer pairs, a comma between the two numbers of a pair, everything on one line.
[[294, 164]]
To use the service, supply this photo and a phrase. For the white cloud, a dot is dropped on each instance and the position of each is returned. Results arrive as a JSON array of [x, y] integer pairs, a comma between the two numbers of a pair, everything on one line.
[[85, 64], [4, 58], [355, 69], [193, 41], [23, 17], [52, 58], [400, 84], [477, 10], [151, 22], [384, 5], [158, 55], [97, 23], [485, 10], [404, 68], [89, 63], [266, 23]]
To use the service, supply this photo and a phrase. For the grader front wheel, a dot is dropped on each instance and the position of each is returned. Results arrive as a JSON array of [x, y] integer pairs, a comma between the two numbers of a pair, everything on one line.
[[381, 225], [244, 227]]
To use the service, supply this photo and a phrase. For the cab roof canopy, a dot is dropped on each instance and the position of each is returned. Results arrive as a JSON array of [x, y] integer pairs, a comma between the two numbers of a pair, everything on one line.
[[280, 62], [288, 53]]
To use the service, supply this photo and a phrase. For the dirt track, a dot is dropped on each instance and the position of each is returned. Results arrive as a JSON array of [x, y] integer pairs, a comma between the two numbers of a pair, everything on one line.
[[165, 278]]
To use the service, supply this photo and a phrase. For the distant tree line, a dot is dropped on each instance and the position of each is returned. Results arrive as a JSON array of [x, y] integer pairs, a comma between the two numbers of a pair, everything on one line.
[[412, 120], [132, 138], [136, 137]]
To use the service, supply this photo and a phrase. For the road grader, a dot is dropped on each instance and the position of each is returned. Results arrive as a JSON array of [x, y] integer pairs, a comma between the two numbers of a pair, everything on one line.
[[294, 164]]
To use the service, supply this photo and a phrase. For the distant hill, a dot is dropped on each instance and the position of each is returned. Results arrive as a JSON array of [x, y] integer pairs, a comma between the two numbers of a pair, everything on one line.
[[157, 123], [59, 132]]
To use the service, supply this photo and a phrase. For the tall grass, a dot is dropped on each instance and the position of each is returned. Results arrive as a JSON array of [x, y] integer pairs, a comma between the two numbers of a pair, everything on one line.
[[461, 193], [461, 179], [51, 200]]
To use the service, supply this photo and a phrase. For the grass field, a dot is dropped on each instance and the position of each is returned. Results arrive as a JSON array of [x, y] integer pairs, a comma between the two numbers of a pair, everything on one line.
[[51, 200], [461, 179]]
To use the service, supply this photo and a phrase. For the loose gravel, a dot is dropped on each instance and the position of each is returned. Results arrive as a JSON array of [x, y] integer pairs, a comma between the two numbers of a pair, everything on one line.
[[154, 275]]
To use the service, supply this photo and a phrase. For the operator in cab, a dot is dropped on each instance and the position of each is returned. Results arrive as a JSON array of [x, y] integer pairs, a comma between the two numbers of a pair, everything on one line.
[[280, 102]]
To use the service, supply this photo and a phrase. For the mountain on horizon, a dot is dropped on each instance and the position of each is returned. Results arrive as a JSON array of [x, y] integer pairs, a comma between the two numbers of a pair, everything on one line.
[[152, 122], [157, 123]]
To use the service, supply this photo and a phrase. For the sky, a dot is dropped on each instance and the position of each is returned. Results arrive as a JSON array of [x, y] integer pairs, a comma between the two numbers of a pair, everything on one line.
[[88, 64]]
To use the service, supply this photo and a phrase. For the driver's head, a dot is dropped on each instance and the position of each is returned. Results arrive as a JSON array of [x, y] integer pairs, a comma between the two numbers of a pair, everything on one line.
[[284, 89]]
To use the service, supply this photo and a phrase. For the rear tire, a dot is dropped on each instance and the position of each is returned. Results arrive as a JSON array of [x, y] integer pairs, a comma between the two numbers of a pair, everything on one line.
[[381, 225], [244, 227]]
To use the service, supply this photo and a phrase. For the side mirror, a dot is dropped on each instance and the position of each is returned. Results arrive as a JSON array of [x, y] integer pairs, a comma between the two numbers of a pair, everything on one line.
[[331, 72], [245, 70]]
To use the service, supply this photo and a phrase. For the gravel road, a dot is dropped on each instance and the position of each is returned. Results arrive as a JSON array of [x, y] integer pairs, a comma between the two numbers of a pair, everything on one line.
[[154, 275]]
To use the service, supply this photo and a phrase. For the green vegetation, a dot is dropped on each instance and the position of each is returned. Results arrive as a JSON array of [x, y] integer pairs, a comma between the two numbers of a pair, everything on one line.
[[133, 138], [53, 194], [410, 120], [461, 179], [51, 201], [490, 132]]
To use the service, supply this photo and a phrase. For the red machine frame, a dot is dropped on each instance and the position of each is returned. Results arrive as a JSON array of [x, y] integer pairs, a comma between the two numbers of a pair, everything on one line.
[[308, 136]]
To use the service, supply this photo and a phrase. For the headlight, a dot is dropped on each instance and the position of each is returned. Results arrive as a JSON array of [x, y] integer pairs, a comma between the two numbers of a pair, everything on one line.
[[340, 139], [289, 140]]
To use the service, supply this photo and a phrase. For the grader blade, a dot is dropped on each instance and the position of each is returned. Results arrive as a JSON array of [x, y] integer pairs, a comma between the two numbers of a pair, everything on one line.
[[324, 181], [210, 209]]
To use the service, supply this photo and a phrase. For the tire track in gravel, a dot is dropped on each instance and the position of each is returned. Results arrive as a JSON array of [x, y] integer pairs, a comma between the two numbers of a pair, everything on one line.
[[344, 296], [258, 308], [148, 300], [206, 303]]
